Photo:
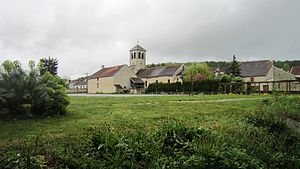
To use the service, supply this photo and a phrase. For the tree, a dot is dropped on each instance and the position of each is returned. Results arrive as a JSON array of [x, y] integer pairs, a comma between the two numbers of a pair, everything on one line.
[[225, 78], [48, 65], [286, 67], [197, 71], [234, 68]]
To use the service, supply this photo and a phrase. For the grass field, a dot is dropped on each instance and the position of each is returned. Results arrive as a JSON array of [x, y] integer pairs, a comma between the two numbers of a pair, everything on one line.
[[220, 112], [224, 115]]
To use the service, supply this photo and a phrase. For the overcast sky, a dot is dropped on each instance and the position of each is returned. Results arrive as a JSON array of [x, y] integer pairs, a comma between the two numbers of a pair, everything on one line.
[[85, 34]]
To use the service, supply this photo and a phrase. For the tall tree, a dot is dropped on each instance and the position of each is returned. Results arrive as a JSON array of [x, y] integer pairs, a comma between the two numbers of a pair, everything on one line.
[[234, 68], [48, 65]]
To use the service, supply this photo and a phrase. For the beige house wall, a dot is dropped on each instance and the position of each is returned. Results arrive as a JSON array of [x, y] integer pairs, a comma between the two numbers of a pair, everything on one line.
[[123, 77], [161, 79], [106, 85], [276, 74]]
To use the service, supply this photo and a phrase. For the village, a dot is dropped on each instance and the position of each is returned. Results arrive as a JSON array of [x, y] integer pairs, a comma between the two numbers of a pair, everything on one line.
[[134, 78], [141, 84]]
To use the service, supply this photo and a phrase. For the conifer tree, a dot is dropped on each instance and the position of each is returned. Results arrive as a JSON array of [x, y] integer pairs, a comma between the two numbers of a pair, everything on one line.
[[234, 68]]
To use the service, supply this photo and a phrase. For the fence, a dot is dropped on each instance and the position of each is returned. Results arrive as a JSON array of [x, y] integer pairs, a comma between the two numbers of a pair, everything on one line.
[[287, 86]]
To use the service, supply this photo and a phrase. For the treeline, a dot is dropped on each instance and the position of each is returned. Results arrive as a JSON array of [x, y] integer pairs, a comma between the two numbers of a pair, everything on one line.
[[31, 93], [224, 65], [287, 65]]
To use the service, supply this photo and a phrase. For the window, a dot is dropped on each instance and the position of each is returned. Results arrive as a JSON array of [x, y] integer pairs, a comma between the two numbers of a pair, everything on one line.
[[168, 80], [142, 55], [252, 79], [131, 56], [98, 79], [146, 83], [134, 55], [139, 55], [97, 85], [156, 81]]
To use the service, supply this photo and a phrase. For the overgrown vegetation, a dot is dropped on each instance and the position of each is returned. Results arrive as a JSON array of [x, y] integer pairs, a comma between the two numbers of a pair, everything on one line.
[[26, 94], [246, 138]]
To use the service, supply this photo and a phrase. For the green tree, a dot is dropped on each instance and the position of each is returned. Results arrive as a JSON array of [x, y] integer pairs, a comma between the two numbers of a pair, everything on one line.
[[234, 68], [57, 92], [225, 78], [48, 65], [197, 71], [286, 67]]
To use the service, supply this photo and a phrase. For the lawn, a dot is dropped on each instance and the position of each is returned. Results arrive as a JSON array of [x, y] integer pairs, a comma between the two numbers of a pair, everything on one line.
[[233, 140]]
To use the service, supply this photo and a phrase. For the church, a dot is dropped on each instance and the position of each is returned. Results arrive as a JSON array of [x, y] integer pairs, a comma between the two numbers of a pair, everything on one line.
[[133, 78]]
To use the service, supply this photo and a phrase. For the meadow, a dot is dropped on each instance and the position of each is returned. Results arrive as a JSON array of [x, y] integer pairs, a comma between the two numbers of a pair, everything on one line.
[[235, 136]]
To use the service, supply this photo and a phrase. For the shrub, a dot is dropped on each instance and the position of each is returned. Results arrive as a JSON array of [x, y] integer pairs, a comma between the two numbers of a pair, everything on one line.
[[29, 94]]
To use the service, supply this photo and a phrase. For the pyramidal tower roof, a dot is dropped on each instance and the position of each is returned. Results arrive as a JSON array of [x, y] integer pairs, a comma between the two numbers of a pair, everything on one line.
[[138, 47]]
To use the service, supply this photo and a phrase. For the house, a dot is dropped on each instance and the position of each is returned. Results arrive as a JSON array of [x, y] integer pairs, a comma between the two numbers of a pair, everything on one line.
[[111, 80], [165, 74], [295, 70], [82, 84], [78, 85], [263, 71]]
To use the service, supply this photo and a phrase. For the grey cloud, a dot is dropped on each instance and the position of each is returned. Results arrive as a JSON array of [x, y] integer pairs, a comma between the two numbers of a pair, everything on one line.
[[85, 34]]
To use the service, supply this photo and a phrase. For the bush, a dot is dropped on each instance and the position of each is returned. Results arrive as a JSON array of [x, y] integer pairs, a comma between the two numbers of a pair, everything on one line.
[[30, 94], [203, 86]]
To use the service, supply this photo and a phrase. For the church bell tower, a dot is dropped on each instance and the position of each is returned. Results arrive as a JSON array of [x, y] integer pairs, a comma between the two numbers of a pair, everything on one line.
[[137, 58]]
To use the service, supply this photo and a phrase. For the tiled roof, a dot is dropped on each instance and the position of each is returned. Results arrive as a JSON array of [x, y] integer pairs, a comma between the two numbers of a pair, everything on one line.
[[106, 72], [295, 70], [138, 47], [158, 71], [255, 68]]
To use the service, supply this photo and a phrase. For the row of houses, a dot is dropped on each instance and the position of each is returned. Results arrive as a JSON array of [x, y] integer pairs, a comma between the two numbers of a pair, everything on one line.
[[136, 77]]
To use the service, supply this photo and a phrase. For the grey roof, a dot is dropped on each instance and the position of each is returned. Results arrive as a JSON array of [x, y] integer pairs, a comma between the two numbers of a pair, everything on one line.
[[80, 83], [138, 47], [159, 71], [255, 68], [137, 80]]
